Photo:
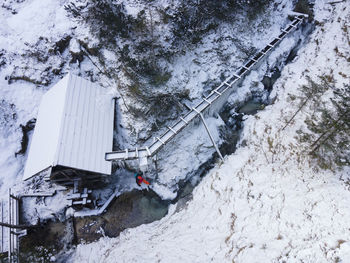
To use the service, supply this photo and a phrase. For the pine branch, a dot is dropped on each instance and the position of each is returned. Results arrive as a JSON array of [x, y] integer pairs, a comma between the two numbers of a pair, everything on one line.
[[295, 114], [18, 226], [324, 133]]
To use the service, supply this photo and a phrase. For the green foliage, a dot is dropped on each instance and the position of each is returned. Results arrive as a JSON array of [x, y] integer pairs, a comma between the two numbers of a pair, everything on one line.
[[106, 18], [160, 78], [302, 6], [328, 132], [194, 18], [145, 46], [159, 105], [135, 89]]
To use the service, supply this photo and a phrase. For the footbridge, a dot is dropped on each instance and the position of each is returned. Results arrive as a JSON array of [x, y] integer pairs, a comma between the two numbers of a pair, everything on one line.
[[209, 104]]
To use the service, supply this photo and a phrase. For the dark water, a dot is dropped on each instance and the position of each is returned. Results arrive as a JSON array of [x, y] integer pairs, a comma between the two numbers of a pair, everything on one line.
[[251, 107], [129, 210]]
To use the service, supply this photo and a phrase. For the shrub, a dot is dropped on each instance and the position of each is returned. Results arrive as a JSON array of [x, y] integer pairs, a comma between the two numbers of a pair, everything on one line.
[[302, 6], [143, 46], [106, 18]]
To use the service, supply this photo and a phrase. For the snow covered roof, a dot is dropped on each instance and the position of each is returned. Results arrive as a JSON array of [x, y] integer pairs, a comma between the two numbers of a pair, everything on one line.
[[74, 128]]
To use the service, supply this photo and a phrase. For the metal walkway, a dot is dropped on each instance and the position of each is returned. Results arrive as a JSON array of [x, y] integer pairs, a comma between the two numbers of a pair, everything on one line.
[[212, 103]]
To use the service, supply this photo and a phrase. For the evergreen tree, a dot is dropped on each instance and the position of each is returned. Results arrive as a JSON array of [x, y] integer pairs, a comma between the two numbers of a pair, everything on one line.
[[329, 129]]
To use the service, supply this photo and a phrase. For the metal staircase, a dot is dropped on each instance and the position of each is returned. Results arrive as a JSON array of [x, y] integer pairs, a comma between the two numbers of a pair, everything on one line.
[[210, 104]]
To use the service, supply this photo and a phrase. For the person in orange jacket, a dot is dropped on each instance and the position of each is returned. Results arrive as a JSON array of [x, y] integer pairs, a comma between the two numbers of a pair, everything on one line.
[[140, 179]]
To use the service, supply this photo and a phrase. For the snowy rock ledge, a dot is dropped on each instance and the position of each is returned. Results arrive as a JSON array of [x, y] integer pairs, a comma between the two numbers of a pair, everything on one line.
[[266, 203]]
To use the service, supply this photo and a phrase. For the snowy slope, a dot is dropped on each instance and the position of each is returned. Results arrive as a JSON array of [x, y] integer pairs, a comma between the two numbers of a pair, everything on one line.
[[20, 31], [28, 35], [34, 55], [267, 202]]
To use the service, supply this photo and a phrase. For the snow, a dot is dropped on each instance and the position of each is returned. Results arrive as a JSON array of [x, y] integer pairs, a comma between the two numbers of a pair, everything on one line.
[[258, 205], [46, 135], [17, 33], [21, 25], [220, 52], [18, 41], [31, 29], [74, 128], [184, 155], [267, 202], [190, 150], [53, 19]]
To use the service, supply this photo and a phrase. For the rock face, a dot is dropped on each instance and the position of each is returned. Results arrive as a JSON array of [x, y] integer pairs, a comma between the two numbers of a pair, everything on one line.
[[25, 139]]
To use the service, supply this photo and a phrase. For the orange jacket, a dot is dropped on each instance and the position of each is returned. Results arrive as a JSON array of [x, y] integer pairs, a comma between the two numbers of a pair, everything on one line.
[[140, 180]]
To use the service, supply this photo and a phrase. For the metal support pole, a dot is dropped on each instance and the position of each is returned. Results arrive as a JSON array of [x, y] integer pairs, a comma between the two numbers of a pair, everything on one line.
[[17, 223], [9, 233], [13, 217], [211, 137], [2, 228]]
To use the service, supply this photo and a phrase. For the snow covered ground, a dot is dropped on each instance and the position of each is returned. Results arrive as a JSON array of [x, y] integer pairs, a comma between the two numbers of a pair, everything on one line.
[[267, 202], [18, 34], [25, 43], [184, 155]]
